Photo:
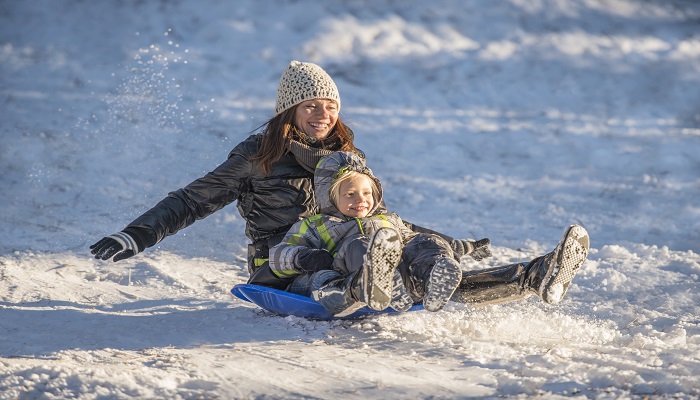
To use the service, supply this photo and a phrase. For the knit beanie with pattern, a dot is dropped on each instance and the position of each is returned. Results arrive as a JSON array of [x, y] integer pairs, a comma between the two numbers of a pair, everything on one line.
[[303, 81]]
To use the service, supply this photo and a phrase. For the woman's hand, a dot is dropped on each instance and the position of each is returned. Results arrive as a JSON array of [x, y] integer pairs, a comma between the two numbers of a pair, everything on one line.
[[477, 249], [121, 245]]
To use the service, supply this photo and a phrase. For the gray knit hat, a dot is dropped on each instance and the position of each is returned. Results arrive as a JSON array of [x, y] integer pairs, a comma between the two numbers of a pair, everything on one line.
[[303, 81]]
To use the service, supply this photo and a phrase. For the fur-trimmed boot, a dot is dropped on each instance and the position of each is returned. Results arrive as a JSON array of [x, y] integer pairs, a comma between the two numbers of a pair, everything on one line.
[[372, 285], [548, 276]]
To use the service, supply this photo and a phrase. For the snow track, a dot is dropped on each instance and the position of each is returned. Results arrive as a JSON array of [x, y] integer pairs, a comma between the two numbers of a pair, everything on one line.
[[509, 120]]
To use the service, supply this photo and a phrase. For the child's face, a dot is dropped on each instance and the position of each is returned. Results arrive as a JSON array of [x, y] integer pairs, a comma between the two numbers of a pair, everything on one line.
[[355, 199]]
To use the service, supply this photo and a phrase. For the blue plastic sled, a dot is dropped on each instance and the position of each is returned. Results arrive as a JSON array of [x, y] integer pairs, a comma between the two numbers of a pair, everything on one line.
[[285, 303]]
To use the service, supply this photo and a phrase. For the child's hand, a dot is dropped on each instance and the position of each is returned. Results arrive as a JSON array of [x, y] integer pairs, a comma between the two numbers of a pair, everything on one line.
[[312, 260]]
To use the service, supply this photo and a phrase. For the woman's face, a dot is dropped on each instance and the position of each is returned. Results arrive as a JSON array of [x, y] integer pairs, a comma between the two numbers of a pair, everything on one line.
[[355, 198], [317, 117]]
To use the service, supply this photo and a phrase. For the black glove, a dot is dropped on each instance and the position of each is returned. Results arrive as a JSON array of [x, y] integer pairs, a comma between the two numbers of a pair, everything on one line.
[[121, 245], [477, 249], [312, 260]]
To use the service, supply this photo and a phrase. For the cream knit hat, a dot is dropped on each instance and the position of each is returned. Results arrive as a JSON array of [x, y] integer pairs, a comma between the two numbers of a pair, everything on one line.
[[303, 81]]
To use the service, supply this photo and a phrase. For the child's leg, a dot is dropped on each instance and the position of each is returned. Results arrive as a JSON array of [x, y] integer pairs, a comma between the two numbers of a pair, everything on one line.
[[434, 274], [351, 257], [335, 294], [305, 284], [372, 284]]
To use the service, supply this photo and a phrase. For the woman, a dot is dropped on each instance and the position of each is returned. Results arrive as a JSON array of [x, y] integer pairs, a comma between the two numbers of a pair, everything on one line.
[[270, 176]]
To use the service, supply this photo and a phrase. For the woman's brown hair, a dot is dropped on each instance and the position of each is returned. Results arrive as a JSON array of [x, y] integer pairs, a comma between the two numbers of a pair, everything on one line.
[[278, 129]]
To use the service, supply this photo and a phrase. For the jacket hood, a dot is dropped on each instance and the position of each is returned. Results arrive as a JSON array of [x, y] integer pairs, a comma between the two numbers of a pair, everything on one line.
[[332, 167]]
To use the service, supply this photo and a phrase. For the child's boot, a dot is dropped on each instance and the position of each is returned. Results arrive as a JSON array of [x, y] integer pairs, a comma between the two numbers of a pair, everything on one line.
[[441, 284], [400, 299], [377, 281]]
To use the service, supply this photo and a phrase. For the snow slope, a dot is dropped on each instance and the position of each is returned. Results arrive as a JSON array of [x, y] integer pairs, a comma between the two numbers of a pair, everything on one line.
[[508, 120]]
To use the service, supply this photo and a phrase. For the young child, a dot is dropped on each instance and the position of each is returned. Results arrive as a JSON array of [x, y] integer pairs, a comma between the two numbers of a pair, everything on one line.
[[357, 253]]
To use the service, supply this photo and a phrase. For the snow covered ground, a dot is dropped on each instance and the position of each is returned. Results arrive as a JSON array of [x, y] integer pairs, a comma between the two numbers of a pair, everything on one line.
[[505, 119]]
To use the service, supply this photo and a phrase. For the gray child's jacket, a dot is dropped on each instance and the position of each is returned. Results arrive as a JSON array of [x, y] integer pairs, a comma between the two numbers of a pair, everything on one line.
[[330, 229]]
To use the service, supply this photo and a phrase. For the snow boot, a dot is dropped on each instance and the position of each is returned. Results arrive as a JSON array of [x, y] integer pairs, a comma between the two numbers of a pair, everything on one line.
[[400, 299], [382, 258], [444, 278], [372, 285], [548, 276]]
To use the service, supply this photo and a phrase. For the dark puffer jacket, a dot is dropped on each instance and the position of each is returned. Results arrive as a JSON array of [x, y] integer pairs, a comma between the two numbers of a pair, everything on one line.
[[270, 204]]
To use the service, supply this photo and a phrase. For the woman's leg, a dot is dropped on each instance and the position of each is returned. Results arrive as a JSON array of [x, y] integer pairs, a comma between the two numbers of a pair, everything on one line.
[[548, 276]]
